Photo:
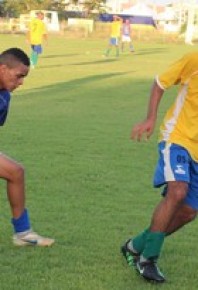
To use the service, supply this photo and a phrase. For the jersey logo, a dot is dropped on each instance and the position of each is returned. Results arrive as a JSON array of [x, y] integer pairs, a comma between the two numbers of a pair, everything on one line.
[[180, 170]]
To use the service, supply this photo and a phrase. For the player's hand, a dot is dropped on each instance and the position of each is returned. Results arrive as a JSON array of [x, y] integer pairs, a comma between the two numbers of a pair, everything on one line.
[[143, 130]]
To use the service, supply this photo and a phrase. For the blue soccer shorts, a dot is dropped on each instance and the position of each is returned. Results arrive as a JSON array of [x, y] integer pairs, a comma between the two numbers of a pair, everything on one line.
[[37, 48], [176, 164], [114, 41]]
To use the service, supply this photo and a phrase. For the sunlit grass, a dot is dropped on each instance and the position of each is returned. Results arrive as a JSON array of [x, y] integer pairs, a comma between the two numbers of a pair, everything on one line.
[[88, 185]]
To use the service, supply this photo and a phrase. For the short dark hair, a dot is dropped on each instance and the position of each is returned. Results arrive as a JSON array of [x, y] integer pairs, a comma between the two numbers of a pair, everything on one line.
[[39, 12], [14, 54]]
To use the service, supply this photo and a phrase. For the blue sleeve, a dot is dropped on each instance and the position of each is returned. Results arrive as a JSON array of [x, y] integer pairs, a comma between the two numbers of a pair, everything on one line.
[[4, 105]]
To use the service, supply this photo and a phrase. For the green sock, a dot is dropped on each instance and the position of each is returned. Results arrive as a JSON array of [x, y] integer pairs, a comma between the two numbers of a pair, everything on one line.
[[34, 58], [153, 245], [139, 241]]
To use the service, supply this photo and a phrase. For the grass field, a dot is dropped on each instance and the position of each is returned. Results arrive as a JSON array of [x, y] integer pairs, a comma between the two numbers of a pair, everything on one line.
[[88, 185]]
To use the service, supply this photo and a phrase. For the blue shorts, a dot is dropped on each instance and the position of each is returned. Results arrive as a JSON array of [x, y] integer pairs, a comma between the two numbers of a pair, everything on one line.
[[37, 48], [176, 164], [114, 41]]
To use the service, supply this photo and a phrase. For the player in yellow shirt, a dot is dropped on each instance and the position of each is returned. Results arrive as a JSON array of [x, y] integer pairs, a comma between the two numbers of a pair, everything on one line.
[[37, 32], [114, 35], [177, 167]]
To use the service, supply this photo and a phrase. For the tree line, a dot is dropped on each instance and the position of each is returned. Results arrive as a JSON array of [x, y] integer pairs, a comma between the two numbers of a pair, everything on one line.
[[13, 8]]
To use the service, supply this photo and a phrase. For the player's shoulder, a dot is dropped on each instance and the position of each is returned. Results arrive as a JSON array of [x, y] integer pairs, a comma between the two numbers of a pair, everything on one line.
[[190, 62], [191, 56], [33, 19], [5, 94], [32, 22]]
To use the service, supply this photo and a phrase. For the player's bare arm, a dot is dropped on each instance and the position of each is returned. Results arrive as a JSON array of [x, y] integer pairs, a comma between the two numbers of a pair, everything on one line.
[[146, 128]]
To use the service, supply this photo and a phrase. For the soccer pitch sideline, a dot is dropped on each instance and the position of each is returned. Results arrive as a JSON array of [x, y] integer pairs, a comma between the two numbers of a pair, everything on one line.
[[88, 185]]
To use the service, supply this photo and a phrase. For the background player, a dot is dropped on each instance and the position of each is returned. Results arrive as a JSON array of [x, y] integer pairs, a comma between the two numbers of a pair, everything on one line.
[[114, 35], [37, 32]]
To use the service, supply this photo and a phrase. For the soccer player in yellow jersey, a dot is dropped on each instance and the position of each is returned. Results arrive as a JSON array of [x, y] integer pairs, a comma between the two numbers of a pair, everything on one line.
[[37, 32], [114, 35], [177, 167]]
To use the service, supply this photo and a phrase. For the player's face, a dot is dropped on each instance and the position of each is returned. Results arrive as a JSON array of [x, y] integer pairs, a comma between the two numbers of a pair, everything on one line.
[[12, 78], [40, 16]]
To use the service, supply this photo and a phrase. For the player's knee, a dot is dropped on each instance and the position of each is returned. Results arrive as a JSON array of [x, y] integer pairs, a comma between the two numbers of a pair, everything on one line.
[[192, 214], [179, 195], [189, 214], [177, 192], [19, 172]]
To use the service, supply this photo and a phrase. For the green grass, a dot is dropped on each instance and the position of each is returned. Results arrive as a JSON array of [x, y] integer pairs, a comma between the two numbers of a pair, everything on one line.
[[88, 185]]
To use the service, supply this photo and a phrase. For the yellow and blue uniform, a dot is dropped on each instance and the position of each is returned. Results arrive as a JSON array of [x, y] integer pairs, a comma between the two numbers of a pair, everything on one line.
[[181, 121], [115, 28], [178, 141], [37, 30], [115, 32]]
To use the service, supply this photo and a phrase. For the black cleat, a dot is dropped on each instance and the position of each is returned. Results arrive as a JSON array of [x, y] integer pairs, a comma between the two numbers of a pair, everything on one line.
[[131, 257], [150, 271]]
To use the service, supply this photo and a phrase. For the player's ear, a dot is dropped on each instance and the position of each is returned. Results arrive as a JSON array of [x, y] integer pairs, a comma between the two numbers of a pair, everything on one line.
[[3, 68]]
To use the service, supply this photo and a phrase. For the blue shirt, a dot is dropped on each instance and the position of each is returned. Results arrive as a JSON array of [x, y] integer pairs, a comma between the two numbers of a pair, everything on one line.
[[4, 105]]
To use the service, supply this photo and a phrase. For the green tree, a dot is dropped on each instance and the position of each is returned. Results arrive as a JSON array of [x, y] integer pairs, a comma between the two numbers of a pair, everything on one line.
[[94, 5], [14, 8]]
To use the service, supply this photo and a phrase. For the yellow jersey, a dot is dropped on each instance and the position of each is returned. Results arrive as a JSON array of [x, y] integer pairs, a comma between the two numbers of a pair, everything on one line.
[[180, 124], [116, 29], [37, 29]]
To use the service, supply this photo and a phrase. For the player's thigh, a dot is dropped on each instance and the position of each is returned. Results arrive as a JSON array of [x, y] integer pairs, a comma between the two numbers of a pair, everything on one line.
[[173, 165], [177, 190], [9, 167]]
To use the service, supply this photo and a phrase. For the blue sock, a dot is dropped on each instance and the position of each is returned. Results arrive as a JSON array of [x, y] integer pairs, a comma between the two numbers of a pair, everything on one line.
[[21, 224]]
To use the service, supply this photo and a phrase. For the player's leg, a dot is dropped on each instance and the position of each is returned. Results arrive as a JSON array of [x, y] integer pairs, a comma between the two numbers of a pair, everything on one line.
[[108, 50], [170, 204], [148, 244], [122, 43], [174, 169], [131, 46], [183, 216], [13, 173], [187, 211], [33, 56], [122, 46], [37, 51], [133, 248], [117, 47]]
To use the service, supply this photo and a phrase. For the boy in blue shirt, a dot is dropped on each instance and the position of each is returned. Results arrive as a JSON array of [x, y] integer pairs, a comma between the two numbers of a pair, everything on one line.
[[14, 67]]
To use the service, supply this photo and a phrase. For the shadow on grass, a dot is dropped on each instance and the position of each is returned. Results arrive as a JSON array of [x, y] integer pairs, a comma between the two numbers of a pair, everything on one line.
[[82, 63], [151, 51], [73, 84], [59, 55], [96, 62], [50, 66]]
